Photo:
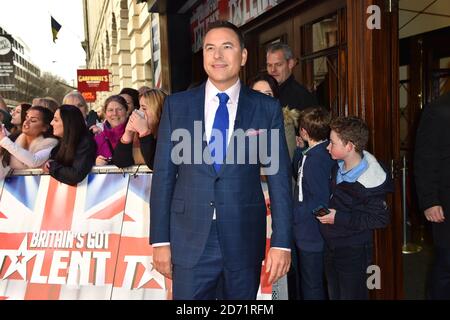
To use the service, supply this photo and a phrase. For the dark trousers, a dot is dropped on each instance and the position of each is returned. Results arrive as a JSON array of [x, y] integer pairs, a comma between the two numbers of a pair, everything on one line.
[[311, 274], [293, 281], [210, 279], [440, 275], [346, 272]]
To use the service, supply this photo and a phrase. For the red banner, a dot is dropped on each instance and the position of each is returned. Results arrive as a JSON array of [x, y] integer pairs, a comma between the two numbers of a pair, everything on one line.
[[92, 80], [89, 96]]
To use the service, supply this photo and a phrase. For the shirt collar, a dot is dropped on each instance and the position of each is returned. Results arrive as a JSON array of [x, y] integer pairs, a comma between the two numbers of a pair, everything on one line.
[[353, 174], [317, 144], [233, 92]]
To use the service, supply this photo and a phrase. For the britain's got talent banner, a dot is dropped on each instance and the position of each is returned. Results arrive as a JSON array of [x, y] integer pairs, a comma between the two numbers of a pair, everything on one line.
[[85, 242]]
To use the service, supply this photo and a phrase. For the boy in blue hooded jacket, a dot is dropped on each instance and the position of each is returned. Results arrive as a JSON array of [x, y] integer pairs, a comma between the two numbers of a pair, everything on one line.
[[357, 205]]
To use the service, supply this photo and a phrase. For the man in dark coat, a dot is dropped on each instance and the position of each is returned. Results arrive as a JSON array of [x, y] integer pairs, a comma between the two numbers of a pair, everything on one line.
[[432, 173], [280, 62]]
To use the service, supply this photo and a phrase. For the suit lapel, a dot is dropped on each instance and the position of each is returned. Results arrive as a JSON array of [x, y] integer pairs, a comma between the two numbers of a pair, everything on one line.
[[245, 110]]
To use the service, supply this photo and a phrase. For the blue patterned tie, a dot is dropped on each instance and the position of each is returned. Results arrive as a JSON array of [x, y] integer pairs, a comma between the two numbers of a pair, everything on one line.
[[221, 123]]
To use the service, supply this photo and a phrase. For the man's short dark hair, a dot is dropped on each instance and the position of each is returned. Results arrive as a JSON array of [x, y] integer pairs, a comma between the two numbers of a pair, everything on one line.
[[228, 25], [316, 121], [351, 129], [287, 51]]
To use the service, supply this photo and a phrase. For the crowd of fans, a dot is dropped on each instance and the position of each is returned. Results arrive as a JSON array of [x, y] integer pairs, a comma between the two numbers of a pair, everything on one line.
[[67, 140]]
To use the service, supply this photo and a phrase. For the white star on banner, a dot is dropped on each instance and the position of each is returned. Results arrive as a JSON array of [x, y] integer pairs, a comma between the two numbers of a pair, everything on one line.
[[20, 265]]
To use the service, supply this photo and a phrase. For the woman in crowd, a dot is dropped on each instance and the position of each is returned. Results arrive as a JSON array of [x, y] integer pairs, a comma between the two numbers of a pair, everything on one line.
[[72, 159], [132, 97], [138, 143], [32, 147], [76, 99], [115, 110], [47, 102], [268, 85], [18, 118]]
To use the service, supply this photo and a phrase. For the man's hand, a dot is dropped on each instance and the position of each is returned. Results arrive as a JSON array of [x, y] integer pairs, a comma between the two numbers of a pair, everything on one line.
[[435, 214], [277, 263], [162, 260]]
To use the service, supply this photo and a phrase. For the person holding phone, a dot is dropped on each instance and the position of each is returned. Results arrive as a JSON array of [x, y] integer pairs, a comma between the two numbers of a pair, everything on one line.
[[359, 185], [313, 167], [138, 143], [32, 147]]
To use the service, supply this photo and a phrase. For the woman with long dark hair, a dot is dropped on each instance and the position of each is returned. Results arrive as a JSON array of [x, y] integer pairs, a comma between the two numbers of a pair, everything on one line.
[[32, 147], [72, 159]]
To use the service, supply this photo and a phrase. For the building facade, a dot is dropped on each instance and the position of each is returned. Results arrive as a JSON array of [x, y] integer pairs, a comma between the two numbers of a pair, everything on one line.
[[118, 38], [19, 79]]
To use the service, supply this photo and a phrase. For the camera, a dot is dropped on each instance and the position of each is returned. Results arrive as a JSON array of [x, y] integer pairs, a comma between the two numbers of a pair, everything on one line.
[[320, 211]]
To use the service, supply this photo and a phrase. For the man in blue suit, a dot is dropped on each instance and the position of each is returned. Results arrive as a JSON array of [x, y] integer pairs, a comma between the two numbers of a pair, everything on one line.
[[208, 213]]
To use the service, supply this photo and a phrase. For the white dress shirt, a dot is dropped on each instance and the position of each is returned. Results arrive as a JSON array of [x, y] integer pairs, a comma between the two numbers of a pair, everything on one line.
[[212, 104]]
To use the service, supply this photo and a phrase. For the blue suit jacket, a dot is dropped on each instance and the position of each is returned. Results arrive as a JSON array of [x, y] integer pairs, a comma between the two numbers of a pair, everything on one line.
[[184, 196]]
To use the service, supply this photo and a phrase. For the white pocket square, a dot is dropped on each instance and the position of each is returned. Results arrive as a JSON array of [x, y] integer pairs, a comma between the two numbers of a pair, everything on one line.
[[253, 132]]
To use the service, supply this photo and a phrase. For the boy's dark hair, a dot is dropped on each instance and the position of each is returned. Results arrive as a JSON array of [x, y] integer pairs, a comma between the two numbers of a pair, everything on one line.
[[316, 121], [351, 129], [228, 25]]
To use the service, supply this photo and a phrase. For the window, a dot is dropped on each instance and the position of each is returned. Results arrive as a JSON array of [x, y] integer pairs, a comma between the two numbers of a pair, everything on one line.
[[323, 54]]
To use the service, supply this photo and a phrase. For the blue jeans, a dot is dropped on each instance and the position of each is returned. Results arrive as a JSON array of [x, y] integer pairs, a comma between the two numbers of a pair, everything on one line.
[[311, 273], [346, 272]]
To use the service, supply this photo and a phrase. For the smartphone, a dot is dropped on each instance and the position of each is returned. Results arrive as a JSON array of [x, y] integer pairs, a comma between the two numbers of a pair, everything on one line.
[[140, 113], [320, 211]]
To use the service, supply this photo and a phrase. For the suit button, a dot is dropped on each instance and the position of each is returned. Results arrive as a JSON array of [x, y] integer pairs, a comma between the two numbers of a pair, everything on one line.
[[211, 203]]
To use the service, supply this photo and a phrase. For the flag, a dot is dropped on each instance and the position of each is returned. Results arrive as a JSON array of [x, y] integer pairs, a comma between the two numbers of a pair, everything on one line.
[[55, 28]]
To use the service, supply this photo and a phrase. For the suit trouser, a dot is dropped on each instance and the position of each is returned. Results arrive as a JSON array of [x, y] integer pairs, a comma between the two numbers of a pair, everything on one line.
[[311, 270], [440, 275], [209, 279], [346, 271]]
